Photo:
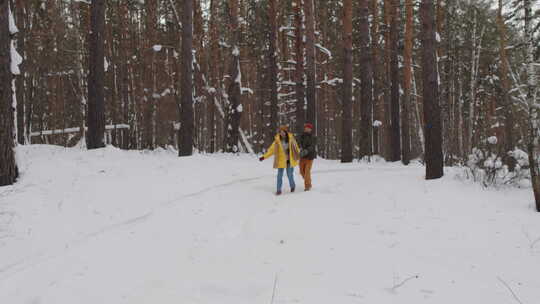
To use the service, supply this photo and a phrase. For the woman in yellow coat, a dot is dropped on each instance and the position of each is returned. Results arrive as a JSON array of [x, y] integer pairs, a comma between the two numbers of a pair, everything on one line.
[[286, 156]]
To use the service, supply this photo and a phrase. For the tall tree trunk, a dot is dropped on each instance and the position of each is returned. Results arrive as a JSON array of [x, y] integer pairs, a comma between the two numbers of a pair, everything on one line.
[[82, 19], [299, 72], [201, 82], [149, 102], [378, 104], [111, 77], [186, 110], [432, 112], [96, 77], [19, 80], [449, 121], [476, 50], [272, 62], [123, 70], [346, 131], [386, 81], [395, 154], [234, 111], [8, 167], [366, 78], [311, 93], [407, 80], [533, 105], [214, 74], [504, 69]]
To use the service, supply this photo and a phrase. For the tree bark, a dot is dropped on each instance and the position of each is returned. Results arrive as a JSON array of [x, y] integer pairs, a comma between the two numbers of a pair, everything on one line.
[[8, 166], [200, 77], [19, 80], [299, 72], [378, 104], [234, 112], [96, 77], [533, 106], [272, 62], [407, 80], [123, 70], [504, 69], [395, 154], [366, 82], [346, 118], [311, 93], [432, 112], [214, 74], [186, 109]]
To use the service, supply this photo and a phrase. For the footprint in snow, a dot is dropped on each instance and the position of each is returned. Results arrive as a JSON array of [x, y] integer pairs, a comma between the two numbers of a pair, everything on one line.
[[355, 295], [35, 300]]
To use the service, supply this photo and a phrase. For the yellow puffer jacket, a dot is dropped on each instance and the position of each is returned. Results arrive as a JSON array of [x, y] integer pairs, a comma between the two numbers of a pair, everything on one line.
[[276, 149]]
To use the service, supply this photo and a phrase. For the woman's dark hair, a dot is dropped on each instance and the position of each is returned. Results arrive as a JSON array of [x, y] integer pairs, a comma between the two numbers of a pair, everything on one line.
[[286, 135]]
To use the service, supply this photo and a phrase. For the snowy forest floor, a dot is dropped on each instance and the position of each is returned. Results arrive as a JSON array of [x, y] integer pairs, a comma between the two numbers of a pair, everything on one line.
[[112, 226]]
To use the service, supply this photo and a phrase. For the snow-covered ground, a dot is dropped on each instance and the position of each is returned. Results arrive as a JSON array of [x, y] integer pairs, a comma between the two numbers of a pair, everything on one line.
[[113, 226]]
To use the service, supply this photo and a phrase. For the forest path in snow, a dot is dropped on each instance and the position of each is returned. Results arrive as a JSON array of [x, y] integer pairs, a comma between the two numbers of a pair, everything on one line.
[[113, 226], [37, 258]]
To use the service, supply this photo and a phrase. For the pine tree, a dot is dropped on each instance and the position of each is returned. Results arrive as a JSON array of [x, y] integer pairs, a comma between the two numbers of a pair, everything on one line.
[[346, 137], [366, 78], [18, 10], [186, 110], [96, 77], [234, 112], [149, 82], [123, 68], [214, 74], [407, 81], [273, 64], [299, 67], [311, 93], [432, 111], [379, 138], [505, 87], [8, 166], [532, 104], [395, 136]]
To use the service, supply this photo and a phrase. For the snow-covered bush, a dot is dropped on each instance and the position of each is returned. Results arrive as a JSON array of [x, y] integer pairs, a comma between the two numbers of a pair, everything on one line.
[[490, 169]]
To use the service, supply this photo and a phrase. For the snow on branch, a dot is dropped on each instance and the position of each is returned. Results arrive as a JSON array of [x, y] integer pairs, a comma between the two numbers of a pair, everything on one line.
[[331, 82], [75, 130], [324, 50], [247, 90], [287, 28]]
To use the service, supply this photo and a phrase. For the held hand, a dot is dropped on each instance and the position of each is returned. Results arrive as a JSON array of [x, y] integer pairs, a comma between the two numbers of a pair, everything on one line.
[[261, 158]]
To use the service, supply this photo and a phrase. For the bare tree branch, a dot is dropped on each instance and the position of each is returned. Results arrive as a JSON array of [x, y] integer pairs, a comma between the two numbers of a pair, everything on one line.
[[510, 289]]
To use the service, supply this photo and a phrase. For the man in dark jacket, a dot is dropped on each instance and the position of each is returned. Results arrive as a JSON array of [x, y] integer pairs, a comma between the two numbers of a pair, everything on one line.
[[308, 143]]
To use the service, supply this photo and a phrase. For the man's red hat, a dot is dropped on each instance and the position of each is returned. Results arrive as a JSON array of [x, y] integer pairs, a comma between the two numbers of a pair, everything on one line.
[[308, 125]]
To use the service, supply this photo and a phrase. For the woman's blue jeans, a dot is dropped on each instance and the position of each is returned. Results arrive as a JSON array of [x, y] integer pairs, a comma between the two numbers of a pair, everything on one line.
[[290, 176]]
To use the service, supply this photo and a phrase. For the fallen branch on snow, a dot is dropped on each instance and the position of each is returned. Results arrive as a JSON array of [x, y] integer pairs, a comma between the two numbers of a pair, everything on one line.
[[510, 289], [396, 286], [274, 290], [532, 243]]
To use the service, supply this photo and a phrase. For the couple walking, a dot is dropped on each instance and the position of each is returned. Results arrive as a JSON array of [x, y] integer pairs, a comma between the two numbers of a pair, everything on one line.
[[287, 152]]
